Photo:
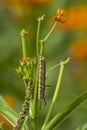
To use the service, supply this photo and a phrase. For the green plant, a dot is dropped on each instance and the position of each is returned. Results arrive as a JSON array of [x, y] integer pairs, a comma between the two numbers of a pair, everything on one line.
[[1, 126], [35, 92]]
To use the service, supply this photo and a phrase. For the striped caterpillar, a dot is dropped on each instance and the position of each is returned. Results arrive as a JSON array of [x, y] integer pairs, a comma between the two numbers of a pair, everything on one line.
[[25, 105], [42, 73]]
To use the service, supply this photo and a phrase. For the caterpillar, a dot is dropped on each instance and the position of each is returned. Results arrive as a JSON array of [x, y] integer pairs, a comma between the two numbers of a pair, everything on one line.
[[41, 77], [25, 105]]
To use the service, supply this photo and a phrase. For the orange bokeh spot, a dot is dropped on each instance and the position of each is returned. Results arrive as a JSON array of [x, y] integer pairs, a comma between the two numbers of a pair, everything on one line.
[[21, 9], [76, 18], [18, 8], [78, 49], [11, 103]]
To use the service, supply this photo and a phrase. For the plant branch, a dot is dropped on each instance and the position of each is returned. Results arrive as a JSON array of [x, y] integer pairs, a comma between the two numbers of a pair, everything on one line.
[[47, 36]]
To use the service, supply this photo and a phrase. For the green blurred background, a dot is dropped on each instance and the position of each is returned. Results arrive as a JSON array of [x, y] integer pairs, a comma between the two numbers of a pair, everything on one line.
[[68, 40]]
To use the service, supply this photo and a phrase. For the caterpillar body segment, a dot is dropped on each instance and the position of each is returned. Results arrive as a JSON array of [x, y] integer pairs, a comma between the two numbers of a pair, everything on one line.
[[41, 78]]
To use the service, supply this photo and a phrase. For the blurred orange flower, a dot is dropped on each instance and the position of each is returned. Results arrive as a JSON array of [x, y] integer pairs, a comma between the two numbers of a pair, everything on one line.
[[78, 49], [18, 8], [21, 8], [76, 18], [11, 102]]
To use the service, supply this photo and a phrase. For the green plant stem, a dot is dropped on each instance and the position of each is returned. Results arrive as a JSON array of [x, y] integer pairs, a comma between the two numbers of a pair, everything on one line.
[[36, 83], [35, 96], [44, 40], [41, 48], [33, 105], [59, 118], [47, 36], [55, 93], [38, 34], [24, 123], [34, 124], [32, 113], [24, 51]]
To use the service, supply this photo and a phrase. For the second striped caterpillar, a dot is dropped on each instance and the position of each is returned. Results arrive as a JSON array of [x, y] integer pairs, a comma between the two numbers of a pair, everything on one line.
[[25, 105]]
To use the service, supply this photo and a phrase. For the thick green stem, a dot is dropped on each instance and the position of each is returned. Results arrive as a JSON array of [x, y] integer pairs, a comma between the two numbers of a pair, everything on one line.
[[34, 124], [33, 106], [35, 96], [23, 34], [36, 83], [55, 93], [32, 115], [62, 115]]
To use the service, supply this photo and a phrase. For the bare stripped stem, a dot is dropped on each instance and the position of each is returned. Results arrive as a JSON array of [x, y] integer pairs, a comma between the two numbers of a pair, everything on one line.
[[62, 63], [23, 34], [38, 34]]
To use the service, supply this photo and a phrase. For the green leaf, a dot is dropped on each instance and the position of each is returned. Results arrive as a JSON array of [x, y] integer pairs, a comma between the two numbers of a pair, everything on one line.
[[8, 112], [63, 114], [84, 127]]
